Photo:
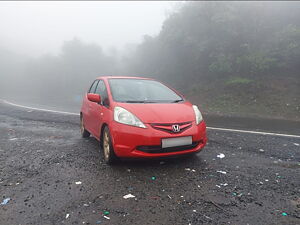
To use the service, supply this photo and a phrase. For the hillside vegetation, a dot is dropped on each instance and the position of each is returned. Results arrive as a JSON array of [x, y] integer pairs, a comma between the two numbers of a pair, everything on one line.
[[230, 57]]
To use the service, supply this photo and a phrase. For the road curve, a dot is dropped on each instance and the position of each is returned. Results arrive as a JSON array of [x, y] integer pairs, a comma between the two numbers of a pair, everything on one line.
[[52, 176]]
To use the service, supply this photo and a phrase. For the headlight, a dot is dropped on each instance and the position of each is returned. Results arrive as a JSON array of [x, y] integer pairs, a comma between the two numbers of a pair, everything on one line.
[[198, 114], [121, 115]]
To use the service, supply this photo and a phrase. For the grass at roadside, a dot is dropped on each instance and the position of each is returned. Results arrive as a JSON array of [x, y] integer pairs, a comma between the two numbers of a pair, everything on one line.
[[270, 98]]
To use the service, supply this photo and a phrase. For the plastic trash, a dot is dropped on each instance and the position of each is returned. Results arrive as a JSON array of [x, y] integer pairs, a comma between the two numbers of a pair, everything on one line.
[[128, 196], [78, 182], [67, 215], [261, 150], [106, 217], [13, 139], [221, 156], [220, 171], [296, 144], [153, 178], [106, 213], [284, 214], [5, 201], [189, 169]]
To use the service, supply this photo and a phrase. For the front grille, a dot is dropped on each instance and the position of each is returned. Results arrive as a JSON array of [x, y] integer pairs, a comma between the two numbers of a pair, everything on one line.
[[167, 127], [158, 149]]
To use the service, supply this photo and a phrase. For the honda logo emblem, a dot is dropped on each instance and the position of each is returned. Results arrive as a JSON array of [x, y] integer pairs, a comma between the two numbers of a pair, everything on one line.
[[176, 128]]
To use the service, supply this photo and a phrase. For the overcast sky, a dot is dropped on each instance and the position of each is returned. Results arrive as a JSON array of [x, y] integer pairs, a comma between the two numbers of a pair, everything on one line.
[[36, 28]]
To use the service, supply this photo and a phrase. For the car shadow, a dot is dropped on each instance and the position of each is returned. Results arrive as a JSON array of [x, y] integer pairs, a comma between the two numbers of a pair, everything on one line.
[[172, 162]]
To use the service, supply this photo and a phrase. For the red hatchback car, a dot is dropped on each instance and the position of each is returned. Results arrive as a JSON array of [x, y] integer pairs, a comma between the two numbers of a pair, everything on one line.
[[140, 117]]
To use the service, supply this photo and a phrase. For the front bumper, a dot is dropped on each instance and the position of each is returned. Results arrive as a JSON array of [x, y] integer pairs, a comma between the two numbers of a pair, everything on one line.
[[135, 142]]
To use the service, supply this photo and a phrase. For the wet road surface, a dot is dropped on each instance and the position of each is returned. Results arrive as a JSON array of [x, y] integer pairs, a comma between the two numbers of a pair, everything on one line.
[[53, 176]]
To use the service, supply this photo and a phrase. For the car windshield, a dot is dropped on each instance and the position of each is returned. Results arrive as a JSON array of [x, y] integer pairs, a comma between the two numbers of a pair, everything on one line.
[[141, 91]]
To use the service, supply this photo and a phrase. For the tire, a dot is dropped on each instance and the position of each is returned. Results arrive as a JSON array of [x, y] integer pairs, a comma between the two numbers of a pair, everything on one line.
[[83, 131], [107, 147]]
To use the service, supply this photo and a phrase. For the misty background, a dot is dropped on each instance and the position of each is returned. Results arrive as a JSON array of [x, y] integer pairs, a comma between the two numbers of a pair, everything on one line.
[[229, 58]]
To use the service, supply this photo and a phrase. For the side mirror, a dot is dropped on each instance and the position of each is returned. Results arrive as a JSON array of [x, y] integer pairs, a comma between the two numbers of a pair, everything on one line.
[[94, 97]]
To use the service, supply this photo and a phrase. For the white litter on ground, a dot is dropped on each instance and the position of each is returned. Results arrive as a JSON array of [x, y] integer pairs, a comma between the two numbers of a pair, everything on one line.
[[13, 139], [296, 144], [106, 217], [221, 156], [78, 182], [67, 215], [220, 171], [128, 196]]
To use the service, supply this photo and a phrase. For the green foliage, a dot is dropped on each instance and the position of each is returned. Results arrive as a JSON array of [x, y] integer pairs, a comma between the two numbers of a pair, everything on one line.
[[221, 65], [254, 63], [286, 45], [208, 40]]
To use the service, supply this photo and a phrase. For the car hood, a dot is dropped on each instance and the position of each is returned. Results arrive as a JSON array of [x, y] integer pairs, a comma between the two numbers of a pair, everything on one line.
[[161, 112]]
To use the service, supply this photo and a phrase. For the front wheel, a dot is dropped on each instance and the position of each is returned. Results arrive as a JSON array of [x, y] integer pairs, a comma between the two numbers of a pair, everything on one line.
[[107, 146], [83, 131]]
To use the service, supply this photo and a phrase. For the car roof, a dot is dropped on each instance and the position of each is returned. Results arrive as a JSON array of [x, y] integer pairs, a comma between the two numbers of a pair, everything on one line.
[[122, 77]]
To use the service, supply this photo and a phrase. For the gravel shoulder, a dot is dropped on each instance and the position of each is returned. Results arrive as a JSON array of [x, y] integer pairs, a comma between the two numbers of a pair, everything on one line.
[[42, 159]]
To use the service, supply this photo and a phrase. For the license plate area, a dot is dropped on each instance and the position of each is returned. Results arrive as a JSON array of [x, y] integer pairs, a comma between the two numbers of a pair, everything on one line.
[[174, 142]]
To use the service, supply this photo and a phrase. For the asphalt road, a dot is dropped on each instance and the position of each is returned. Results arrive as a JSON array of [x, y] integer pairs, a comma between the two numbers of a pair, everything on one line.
[[53, 176]]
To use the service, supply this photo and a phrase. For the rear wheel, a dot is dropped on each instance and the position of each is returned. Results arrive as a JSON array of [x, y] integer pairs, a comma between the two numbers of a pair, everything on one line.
[[83, 131], [108, 150]]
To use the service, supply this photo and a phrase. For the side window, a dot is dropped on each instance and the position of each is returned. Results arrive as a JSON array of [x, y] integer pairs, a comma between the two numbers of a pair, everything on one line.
[[93, 87], [101, 90]]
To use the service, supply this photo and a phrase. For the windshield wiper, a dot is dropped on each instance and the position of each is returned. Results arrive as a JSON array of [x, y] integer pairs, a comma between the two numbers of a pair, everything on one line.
[[147, 101], [133, 101], [138, 101], [179, 100]]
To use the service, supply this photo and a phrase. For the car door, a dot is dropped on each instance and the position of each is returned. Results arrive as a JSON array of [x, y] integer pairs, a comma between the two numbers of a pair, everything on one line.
[[99, 110], [87, 113]]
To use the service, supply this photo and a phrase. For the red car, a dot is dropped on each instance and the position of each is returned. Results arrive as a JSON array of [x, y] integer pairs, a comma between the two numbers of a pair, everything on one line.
[[139, 117]]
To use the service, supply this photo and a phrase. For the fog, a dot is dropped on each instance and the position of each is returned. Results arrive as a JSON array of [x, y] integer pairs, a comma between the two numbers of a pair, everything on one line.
[[230, 58], [36, 28]]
